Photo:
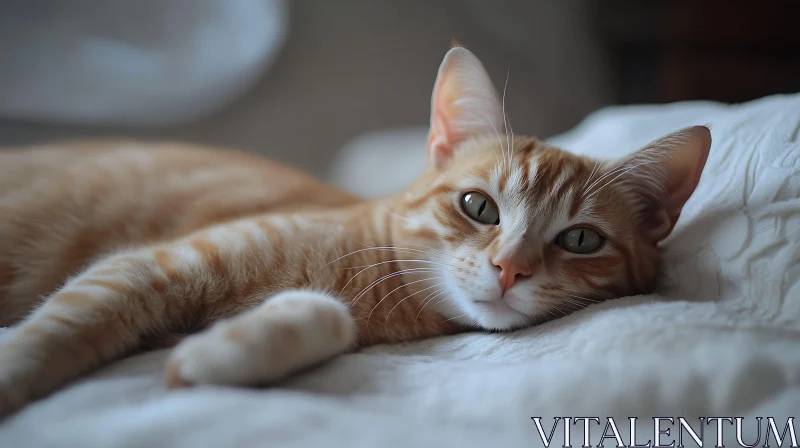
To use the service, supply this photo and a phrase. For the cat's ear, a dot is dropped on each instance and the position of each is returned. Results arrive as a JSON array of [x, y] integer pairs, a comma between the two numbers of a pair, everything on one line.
[[464, 104], [663, 175]]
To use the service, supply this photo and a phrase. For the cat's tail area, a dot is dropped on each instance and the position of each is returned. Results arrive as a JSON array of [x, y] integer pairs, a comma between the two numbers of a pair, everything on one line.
[[113, 308], [95, 317]]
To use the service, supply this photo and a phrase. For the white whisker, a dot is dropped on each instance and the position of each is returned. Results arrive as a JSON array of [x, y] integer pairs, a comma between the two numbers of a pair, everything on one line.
[[436, 250], [456, 317], [392, 248], [546, 310], [505, 122], [594, 169], [399, 260], [428, 300], [386, 248], [599, 179], [612, 180], [392, 291], [406, 297], [368, 267], [498, 136], [385, 277], [574, 305], [586, 299]]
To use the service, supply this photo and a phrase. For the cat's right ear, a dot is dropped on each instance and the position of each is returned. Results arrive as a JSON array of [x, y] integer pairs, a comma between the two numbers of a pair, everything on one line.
[[464, 104], [663, 175]]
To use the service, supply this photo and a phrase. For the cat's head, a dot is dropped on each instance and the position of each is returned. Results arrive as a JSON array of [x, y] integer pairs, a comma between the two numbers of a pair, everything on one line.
[[518, 231]]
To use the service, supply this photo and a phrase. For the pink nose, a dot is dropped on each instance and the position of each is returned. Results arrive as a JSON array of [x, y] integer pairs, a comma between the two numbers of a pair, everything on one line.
[[511, 270]]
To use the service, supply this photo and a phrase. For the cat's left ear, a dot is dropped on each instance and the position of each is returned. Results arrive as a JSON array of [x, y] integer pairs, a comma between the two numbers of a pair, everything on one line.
[[464, 104], [663, 175]]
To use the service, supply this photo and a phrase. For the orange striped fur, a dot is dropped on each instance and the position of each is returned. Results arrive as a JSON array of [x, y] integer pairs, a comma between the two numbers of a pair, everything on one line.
[[111, 247]]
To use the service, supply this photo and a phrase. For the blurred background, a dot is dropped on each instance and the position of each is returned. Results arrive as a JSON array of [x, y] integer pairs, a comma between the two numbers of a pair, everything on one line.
[[305, 81]]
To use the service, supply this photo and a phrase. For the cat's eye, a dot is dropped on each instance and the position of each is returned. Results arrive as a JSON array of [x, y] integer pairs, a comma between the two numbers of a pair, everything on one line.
[[580, 240], [481, 208]]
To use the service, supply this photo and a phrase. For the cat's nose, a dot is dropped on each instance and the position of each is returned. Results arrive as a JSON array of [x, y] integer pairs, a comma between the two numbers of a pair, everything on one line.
[[511, 271]]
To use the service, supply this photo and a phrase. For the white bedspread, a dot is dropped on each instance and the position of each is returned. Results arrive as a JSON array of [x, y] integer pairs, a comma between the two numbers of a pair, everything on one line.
[[725, 343]]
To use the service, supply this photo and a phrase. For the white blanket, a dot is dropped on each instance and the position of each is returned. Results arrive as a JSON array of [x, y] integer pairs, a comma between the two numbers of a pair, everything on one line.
[[725, 343]]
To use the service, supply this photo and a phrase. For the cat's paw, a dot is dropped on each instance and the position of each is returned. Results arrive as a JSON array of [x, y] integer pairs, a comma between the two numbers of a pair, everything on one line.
[[291, 331]]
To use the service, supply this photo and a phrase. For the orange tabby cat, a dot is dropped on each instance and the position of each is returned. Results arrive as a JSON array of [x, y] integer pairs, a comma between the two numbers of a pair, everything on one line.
[[107, 248]]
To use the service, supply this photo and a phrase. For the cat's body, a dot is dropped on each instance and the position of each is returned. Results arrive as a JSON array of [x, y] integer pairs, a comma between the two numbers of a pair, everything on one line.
[[64, 205], [112, 247]]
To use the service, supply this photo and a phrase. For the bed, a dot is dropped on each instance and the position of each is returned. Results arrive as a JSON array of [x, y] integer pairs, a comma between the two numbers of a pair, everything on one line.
[[721, 337]]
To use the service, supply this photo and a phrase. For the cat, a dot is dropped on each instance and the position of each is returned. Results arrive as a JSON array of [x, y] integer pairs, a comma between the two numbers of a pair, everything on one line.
[[252, 270]]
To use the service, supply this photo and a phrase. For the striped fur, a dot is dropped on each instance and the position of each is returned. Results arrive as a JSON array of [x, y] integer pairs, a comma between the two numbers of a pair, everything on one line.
[[107, 248]]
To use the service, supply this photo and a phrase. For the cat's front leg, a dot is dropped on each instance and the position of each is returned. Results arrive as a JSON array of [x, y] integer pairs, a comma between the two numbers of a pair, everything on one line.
[[290, 331]]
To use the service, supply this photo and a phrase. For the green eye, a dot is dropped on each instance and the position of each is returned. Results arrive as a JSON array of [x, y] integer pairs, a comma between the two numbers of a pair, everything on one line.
[[580, 240], [479, 207]]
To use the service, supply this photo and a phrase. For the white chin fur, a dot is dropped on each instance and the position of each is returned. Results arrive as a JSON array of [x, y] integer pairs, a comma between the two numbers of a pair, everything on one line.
[[497, 315], [494, 314]]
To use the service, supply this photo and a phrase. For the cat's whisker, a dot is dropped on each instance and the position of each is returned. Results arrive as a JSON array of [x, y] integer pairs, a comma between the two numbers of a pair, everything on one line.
[[574, 303], [585, 299], [612, 180], [389, 248], [409, 249], [572, 307], [610, 172], [395, 248], [456, 317], [428, 300], [407, 297], [392, 292], [592, 173], [551, 310], [359, 273], [584, 292], [505, 121], [505, 117], [385, 248], [436, 250], [441, 263], [496, 134], [541, 315], [548, 311], [577, 299], [359, 251], [616, 170], [385, 277], [565, 313], [442, 300], [400, 260], [431, 296]]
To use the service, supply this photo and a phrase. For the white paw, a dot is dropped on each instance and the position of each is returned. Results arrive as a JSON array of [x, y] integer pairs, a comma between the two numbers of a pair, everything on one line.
[[291, 331]]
